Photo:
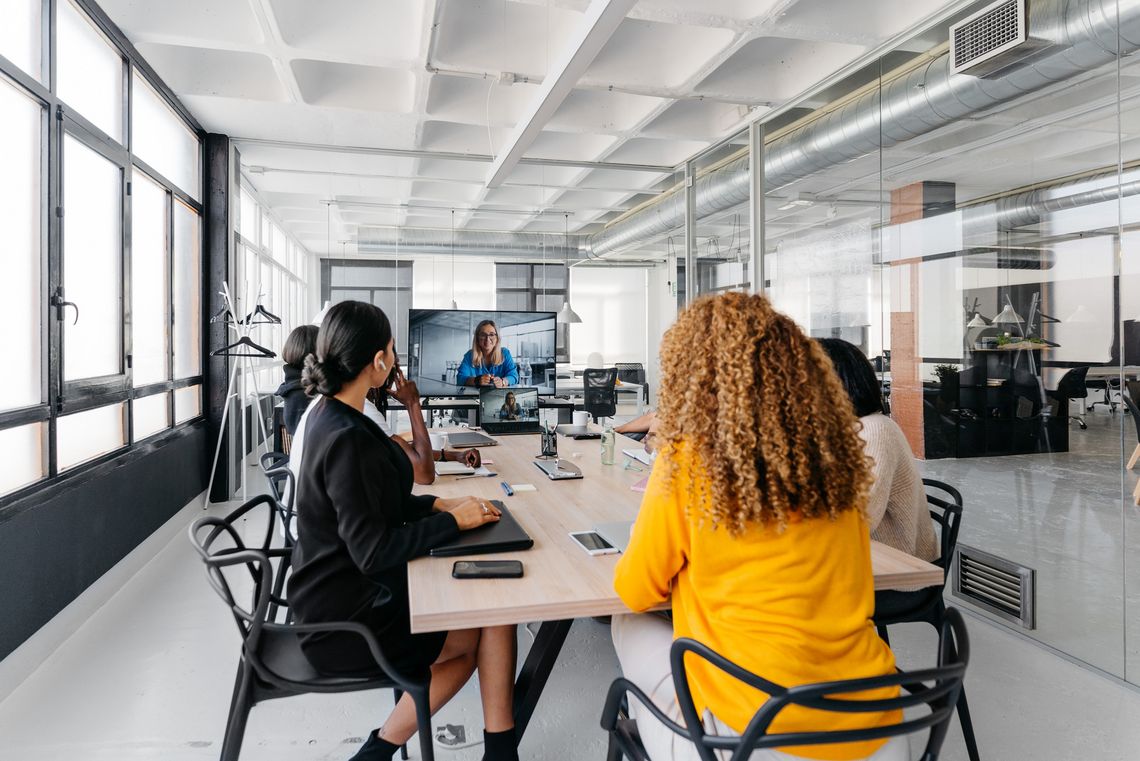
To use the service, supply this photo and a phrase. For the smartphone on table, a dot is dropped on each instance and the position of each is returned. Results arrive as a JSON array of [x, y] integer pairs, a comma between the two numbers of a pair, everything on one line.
[[593, 543], [487, 569]]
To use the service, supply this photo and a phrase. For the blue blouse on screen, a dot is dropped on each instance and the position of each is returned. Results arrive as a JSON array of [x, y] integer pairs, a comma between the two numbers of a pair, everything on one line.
[[506, 369]]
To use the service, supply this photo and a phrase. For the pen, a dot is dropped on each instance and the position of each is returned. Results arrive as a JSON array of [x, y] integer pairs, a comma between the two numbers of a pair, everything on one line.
[[507, 488]]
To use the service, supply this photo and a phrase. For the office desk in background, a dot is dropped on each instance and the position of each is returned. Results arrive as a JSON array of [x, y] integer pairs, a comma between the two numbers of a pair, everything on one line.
[[561, 582], [573, 387]]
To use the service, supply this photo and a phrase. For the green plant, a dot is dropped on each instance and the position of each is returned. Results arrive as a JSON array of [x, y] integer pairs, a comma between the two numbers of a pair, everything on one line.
[[943, 372]]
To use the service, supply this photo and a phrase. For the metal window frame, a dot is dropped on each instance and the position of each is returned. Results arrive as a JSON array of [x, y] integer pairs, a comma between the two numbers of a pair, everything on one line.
[[58, 120]]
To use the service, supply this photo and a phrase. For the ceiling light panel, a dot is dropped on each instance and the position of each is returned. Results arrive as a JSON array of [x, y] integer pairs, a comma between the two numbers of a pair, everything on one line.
[[344, 85], [223, 73], [352, 29], [653, 54]]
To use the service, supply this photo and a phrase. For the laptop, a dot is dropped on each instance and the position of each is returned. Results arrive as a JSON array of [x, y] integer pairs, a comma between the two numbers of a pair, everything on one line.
[[505, 535], [578, 431], [507, 411], [616, 534], [558, 470], [468, 439]]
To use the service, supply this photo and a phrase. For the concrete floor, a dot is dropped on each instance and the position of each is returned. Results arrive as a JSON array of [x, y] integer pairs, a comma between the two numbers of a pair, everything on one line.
[[148, 675]]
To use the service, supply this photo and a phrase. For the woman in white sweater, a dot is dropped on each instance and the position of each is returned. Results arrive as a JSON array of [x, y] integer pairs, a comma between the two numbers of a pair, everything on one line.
[[896, 506]]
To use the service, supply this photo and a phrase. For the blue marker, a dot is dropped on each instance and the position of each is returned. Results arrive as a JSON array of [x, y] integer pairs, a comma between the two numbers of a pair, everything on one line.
[[507, 488]]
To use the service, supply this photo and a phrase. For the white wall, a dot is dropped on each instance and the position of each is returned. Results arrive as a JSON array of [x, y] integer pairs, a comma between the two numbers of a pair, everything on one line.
[[432, 283]]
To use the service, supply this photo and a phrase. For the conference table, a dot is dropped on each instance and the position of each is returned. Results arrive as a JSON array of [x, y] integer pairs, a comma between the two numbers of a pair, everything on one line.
[[560, 581]]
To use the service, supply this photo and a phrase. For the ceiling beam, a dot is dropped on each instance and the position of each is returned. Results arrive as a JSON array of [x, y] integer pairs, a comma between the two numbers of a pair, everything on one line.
[[600, 22]]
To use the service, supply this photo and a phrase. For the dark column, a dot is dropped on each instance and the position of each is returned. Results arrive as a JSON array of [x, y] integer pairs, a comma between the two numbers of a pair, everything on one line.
[[217, 240]]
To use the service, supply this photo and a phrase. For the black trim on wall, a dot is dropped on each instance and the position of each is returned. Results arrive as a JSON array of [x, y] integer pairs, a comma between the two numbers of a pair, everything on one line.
[[69, 535]]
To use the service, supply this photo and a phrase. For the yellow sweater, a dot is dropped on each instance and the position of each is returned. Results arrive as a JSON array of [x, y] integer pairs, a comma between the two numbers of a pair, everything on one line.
[[794, 608]]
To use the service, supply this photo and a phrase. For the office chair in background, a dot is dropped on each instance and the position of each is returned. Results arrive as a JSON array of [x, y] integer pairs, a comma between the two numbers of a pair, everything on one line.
[[599, 397], [1071, 386]]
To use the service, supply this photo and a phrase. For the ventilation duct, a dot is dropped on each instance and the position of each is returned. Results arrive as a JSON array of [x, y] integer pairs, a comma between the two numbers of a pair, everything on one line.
[[419, 240], [1008, 258], [993, 40], [1085, 35]]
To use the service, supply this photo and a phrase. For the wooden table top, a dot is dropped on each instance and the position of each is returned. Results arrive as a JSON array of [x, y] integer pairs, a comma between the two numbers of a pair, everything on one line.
[[560, 580]]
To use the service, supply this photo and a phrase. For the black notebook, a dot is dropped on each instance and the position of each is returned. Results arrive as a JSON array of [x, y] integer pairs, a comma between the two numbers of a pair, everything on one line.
[[505, 535]]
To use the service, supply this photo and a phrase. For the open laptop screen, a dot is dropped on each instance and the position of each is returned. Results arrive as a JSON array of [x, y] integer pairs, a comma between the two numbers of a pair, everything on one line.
[[502, 407]]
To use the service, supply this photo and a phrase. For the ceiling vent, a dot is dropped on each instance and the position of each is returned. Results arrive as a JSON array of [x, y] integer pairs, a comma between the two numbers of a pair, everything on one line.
[[993, 40], [1002, 587]]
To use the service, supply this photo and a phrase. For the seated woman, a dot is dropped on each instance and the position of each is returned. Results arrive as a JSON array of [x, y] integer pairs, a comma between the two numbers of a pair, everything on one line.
[[358, 526], [753, 523], [510, 409], [487, 363], [641, 428], [300, 344], [896, 506]]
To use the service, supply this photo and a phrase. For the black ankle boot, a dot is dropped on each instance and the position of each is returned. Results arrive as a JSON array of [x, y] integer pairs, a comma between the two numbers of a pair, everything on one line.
[[375, 749], [500, 746]]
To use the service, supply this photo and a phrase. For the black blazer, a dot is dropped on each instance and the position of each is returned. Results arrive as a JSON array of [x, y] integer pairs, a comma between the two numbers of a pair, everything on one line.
[[358, 523], [295, 398]]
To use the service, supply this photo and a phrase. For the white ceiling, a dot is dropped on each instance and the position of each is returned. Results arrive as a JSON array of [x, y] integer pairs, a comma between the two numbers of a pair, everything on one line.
[[428, 76]]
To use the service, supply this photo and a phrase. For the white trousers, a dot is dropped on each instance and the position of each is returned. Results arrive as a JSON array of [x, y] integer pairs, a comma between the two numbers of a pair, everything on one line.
[[642, 643]]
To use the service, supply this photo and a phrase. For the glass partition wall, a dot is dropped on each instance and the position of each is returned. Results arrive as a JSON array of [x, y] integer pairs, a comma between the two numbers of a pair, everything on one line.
[[976, 235]]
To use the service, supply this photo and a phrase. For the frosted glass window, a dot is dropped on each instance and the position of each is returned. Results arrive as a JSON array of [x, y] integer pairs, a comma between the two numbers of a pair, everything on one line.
[[187, 403], [149, 415], [92, 263], [87, 435], [160, 138], [20, 34], [149, 323], [611, 303], [90, 71], [20, 219], [187, 293], [24, 461]]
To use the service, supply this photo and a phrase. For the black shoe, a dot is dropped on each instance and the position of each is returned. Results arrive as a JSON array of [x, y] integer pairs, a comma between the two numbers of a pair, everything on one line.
[[375, 749]]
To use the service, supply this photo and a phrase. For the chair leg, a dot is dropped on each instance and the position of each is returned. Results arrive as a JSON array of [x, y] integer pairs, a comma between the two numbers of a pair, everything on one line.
[[613, 750], [967, 726], [240, 704], [1134, 458], [883, 635], [423, 720]]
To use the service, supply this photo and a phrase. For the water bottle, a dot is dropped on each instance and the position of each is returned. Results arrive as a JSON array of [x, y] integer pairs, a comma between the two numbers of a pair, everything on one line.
[[609, 439]]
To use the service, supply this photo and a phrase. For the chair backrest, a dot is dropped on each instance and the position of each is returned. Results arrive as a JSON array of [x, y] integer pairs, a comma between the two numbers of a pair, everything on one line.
[[283, 487], [937, 688], [598, 394], [946, 511], [241, 574], [1130, 401], [1073, 384]]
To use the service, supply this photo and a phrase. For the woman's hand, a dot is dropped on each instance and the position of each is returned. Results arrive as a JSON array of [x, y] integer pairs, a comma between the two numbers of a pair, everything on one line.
[[473, 512], [499, 382], [471, 458], [486, 380], [404, 390]]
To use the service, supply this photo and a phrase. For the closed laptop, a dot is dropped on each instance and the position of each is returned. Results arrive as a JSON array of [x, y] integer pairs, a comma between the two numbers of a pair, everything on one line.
[[505, 535]]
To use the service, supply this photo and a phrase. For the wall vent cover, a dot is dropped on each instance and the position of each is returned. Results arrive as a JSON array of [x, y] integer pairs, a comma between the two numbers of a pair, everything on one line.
[[993, 39], [1004, 588]]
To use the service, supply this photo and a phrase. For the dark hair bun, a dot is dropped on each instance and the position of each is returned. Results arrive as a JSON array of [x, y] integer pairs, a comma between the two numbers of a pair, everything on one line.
[[316, 378]]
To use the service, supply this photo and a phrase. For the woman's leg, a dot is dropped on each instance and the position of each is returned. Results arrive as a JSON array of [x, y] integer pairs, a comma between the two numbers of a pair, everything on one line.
[[498, 653], [450, 671]]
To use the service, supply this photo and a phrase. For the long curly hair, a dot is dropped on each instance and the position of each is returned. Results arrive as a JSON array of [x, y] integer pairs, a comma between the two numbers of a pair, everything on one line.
[[768, 428]]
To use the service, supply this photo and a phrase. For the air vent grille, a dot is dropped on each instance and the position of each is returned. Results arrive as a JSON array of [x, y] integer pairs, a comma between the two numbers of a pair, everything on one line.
[[977, 44], [1000, 586]]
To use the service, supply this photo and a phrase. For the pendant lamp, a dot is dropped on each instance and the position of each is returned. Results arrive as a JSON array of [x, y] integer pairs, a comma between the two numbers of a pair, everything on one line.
[[566, 314], [1007, 316]]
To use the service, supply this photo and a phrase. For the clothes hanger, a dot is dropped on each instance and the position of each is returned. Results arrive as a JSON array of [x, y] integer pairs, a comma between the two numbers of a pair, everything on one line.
[[255, 350], [224, 315], [261, 316]]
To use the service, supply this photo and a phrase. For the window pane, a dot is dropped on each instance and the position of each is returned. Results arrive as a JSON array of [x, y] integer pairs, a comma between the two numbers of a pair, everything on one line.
[[92, 263], [150, 415], [161, 139], [187, 293], [86, 435], [247, 218], [187, 403], [278, 244], [149, 324], [20, 34], [23, 449], [90, 75], [21, 222]]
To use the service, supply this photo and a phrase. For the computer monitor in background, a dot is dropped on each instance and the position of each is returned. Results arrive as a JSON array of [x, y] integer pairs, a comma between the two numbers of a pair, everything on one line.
[[508, 405], [439, 338]]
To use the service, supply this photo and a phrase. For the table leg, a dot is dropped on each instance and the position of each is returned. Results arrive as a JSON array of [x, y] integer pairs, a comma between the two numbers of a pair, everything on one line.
[[536, 670]]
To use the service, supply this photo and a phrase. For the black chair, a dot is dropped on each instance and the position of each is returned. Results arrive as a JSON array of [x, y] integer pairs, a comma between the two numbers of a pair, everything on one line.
[[272, 664], [937, 688], [599, 397], [927, 604], [633, 372], [1071, 386]]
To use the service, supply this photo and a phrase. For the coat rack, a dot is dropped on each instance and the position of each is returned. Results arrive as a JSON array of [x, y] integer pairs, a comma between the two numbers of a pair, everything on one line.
[[242, 350]]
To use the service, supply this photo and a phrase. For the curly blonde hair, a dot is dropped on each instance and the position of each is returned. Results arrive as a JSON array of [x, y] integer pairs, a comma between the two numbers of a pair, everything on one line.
[[768, 428]]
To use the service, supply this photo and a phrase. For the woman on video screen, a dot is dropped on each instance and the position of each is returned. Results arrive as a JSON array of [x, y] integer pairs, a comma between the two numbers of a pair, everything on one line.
[[488, 363]]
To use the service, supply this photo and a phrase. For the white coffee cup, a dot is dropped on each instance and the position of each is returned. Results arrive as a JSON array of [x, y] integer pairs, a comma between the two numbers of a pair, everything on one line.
[[438, 440], [581, 417]]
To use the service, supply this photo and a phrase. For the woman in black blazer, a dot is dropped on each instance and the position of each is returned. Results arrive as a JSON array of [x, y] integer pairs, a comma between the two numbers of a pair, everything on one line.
[[358, 525]]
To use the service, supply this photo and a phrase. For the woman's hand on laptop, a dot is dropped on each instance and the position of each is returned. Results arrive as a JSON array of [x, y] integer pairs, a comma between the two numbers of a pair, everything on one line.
[[472, 512]]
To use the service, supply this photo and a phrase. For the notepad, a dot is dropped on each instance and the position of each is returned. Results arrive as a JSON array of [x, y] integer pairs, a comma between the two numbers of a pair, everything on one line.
[[640, 485], [523, 487], [452, 468]]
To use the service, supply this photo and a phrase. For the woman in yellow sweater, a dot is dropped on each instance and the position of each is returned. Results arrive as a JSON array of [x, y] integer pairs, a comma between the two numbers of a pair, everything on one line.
[[753, 521]]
